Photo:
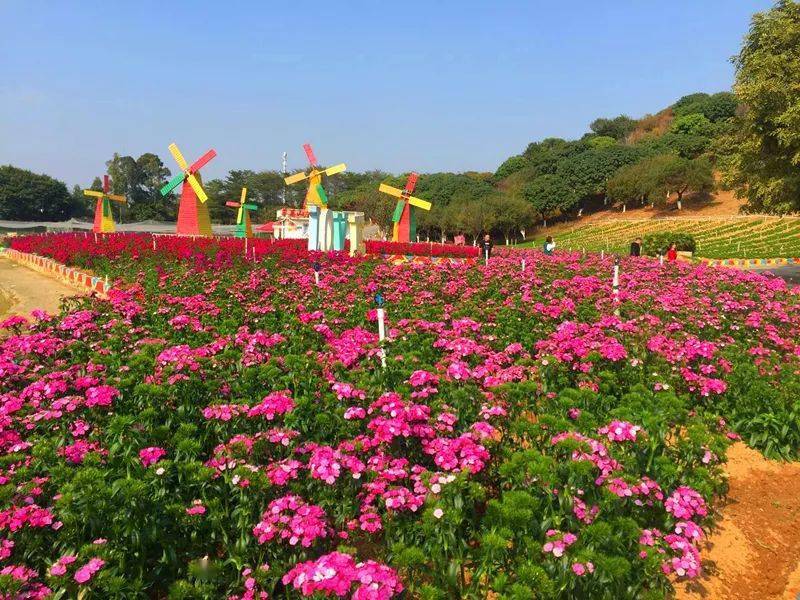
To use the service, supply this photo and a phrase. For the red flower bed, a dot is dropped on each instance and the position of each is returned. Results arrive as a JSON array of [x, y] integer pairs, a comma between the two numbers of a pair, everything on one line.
[[420, 249]]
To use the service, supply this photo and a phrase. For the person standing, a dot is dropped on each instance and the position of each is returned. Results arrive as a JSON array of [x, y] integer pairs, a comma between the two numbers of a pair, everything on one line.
[[486, 247], [672, 253], [549, 245], [636, 247]]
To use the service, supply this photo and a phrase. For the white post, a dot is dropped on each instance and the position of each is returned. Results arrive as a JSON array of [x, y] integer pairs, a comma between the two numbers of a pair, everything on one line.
[[95, 238], [615, 286], [154, 243], [523, 265], [316, 277], [602, 254], [661, 260], [382, 335], [486, 255], [245, 247]]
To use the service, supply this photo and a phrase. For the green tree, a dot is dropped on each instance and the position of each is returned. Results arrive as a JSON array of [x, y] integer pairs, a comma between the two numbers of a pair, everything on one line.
[[763, 160], [547, 195], [513, 213], [24, 195], [509, 166], [657, 177], [694, 124], [140, 181], [617, 128]]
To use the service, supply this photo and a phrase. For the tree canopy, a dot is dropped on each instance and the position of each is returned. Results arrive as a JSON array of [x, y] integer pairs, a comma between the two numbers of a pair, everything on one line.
[[26, 196], [763, 152]]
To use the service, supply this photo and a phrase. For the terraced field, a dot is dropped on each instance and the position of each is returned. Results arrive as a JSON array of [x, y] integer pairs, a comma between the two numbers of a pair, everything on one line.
[[717, 237]]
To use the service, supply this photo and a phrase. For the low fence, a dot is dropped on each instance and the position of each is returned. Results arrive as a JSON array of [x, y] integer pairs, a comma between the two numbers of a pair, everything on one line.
[[76, 278]]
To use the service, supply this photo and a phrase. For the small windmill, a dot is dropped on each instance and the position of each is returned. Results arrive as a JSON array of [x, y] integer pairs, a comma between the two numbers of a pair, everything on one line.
[[103, 219], [243, 226], [193, 216], [404, 217], [316, 193]]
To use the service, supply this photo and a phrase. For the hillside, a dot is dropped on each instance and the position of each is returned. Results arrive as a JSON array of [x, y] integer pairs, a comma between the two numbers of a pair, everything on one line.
[[717, 227]]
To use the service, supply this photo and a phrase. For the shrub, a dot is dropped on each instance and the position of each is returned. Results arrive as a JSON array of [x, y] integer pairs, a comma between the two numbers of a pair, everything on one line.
[[658, 243]]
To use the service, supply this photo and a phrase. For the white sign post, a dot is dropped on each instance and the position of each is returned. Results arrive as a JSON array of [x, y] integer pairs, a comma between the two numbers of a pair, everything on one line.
[[523, 265], [615, 286]]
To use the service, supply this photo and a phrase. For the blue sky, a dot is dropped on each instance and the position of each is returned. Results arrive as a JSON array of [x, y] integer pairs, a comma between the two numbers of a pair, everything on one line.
[[413, 85]]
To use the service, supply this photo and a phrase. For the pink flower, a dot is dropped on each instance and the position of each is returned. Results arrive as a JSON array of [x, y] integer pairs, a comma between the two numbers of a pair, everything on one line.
[[87, 571], [151, 455], [196, 508]]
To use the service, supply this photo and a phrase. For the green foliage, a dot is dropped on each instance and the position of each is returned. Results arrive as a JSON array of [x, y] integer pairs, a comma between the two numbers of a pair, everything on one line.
[[656, 177], [763, 155], [24, 195], [658, 243], [617, 128], [509, 166], [547, 194], [694, 125], [140, 181], [717, 107]]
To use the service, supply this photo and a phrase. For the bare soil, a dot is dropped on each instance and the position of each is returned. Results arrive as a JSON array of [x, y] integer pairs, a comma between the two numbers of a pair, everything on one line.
[[23, 290], [754, 552]]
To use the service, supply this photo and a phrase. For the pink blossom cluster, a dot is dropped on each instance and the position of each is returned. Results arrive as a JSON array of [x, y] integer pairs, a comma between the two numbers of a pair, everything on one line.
[[292, 519], [276, 403], [336, 573], [151, 455], [620, 431], [684, 503], [557, 543]]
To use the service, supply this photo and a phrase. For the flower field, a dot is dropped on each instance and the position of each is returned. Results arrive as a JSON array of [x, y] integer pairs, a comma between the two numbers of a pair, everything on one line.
[[221, 426], [717, 237]]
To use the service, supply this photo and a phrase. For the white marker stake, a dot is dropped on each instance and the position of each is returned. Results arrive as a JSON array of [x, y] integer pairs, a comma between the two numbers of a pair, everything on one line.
[[95, 238], [382, 335], [602, 254], [661, 259], [487, 256], [615, 286], [245, 247], [316, 277], [154, 243], [523, 265]]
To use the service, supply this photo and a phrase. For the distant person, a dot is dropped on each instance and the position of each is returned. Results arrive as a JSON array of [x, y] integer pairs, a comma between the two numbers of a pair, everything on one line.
[[549, 245], [486, 246], [672, 253], [636, 247]]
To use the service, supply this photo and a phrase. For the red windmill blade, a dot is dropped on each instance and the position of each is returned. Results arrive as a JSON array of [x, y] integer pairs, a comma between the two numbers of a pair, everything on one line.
[[310, 154]]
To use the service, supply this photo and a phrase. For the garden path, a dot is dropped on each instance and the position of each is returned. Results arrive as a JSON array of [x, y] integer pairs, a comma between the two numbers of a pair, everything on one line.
[[23, 290], [754, 553]]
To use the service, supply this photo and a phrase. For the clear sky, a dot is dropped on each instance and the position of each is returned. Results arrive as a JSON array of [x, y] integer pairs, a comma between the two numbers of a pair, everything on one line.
[[414, 85]]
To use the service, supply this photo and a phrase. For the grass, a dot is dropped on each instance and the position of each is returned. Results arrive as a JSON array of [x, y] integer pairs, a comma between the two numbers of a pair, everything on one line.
[[717, 237]]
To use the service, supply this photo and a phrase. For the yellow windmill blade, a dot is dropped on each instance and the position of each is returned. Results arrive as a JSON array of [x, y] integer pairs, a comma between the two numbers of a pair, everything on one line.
[[419, 203], [198, 189], [335, 169], [392, 191], [295, 178], [173, 148], [93, 193], [244, 195], [117, 198]]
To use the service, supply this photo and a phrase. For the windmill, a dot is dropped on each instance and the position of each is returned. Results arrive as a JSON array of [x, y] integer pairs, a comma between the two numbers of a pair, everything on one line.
[[243, 226], [316, 193], [193, 216], [404, 217], [103, 219]]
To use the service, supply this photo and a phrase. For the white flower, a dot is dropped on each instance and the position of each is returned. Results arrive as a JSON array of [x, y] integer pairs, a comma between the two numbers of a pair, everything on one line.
[[160, 471], [438, 513]]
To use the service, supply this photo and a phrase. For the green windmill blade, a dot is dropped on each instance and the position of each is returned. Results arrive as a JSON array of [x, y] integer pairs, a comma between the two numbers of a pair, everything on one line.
[[173, 183], [251, 206], [322, 195], [398, 211]]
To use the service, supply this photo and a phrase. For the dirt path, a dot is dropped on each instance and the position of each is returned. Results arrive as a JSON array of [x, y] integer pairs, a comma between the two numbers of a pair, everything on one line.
[[23, 290], [754, 554]]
